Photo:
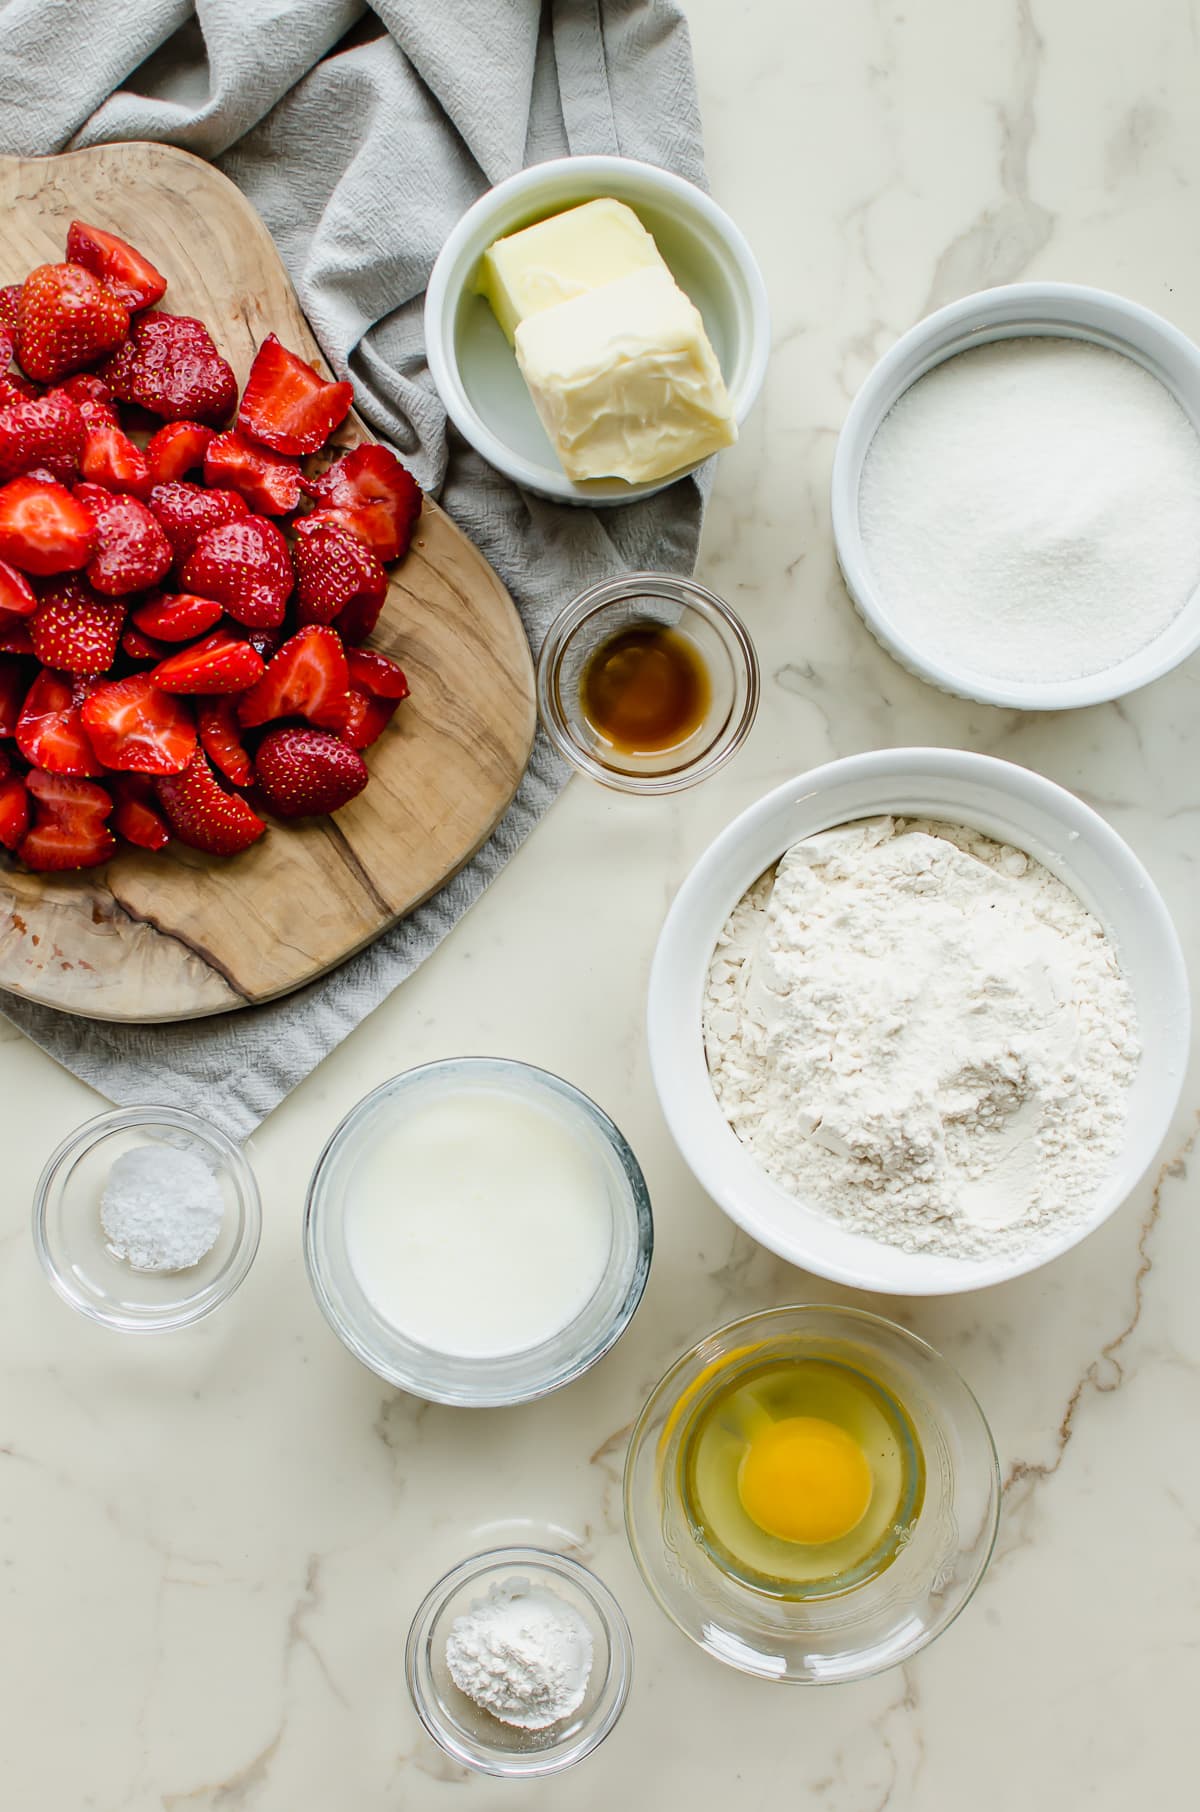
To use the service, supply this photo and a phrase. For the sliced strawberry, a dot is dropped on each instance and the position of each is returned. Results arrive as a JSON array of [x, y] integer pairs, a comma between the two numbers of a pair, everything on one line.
[[218, 664], [359, 719], [216, 720], [125, 270], [187, 511], [42, 527], [134, 726], [337, 579], [371, 495], [141, 647], [15, 389], [375, 673], [92, 397], [302, 772], [14, 684], [287, 405], [14, 810], [307, 676], [110, 458], [269, 482], [17, 596], [177, 449], [69, 829], [203, 815], [14, 635], [245, 566], [66, 318], [171, 366], [41, 431], [10, 299], [136, 816], [177, 616], [74, 629], [131, 550], [50, 731], [8, 340]]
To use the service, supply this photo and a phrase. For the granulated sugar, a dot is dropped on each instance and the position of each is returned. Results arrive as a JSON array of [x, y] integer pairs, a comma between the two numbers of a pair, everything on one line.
[[1031, 510]]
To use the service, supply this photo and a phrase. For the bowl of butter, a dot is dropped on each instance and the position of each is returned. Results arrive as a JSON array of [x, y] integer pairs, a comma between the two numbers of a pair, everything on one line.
[[597, 328]]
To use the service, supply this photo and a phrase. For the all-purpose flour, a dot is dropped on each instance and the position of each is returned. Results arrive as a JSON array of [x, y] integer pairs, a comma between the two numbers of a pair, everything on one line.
[[923, 1034]]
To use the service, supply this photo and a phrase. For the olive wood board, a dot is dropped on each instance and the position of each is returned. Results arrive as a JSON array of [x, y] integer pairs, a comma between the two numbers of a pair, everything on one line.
[[179, 934]]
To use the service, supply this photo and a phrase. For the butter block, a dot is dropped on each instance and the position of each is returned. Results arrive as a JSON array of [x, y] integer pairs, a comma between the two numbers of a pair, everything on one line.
[[563, 257], [625, 380]]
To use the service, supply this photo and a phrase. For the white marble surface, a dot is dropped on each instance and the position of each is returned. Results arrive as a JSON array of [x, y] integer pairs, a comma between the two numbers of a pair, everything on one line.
[[212, 1542]]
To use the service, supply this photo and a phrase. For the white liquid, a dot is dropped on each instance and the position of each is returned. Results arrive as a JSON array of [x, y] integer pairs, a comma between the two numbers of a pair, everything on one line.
[[479, 1225]]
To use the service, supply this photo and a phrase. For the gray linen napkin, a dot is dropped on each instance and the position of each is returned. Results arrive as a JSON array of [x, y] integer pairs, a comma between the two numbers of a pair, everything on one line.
[[361, 134]]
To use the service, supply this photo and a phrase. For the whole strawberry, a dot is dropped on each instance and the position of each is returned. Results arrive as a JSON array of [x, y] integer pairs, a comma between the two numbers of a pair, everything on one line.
[[41, 431], [66, 318], [302, 772]]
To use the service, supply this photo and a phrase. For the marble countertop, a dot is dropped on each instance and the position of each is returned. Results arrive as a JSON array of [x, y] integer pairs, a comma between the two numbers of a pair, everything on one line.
[[213, 1542]]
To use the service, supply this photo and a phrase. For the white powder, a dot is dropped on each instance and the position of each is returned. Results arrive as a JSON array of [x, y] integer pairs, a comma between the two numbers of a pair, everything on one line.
[[522, 1653], [1031, 509], [925, 1035], [161, 1209]]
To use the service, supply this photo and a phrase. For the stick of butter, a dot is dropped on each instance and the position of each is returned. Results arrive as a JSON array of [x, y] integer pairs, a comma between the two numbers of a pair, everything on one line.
[[625, 379], [563, 257]]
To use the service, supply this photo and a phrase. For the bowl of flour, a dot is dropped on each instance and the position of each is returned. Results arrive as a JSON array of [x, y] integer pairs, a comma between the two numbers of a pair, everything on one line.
[[918, 1020], [1016, 497]]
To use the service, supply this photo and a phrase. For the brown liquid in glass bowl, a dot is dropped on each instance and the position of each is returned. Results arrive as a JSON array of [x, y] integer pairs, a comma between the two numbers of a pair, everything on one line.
[[645, 689]]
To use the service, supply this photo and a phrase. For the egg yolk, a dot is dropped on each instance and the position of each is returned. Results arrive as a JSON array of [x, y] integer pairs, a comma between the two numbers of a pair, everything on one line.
[[805, 1480]]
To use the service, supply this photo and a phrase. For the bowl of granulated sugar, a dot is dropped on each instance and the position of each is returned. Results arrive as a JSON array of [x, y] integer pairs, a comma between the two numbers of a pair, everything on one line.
[[1016, 497], [146, 1218]]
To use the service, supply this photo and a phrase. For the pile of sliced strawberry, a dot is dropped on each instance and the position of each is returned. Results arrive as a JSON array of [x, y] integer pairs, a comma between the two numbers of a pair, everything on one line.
[[181, 599]]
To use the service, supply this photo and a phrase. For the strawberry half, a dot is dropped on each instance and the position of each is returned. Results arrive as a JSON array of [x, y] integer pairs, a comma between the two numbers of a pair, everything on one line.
[[134, 726], [374, 673], [302, 772], [177, 449], [136, 816], [171, 366], [41, 431], [372, 496], [186, 511], [75, 630], [307, 676], [110, 458], [287, 405], [203, 815], [269, 482], [218, 664], [17, 596], [50, 731], [14, 810], [14, 684], [68, 829], [66, 318], [141, 647], [245, 566], [131, 551], [337, 579], [125, 270], [10, 301], [42, 528], [92, 397], [216, 720], [177, 617]]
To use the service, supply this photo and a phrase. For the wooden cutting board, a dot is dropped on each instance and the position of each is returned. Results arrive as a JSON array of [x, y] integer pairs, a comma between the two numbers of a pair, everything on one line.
[[170, 936]]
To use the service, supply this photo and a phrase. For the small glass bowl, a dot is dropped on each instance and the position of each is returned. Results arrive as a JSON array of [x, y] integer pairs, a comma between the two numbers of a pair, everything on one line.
[[858, 1629], [493, 1380], [473, 1736], [720, 638], [70, 1241]]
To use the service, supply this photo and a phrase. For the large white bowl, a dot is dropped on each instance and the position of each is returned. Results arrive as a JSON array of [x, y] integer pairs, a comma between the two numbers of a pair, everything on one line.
[[1005, 802], [473, 364], [1072, 311]]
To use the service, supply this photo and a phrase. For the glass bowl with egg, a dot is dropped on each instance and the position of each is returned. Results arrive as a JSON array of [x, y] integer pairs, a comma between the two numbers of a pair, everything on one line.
[[116, 1162], [648, 683], [478, 1232], [812, 1494]]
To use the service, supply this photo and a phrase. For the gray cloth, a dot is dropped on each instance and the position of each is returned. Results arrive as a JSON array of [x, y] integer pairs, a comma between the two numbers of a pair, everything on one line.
[[361, 135]]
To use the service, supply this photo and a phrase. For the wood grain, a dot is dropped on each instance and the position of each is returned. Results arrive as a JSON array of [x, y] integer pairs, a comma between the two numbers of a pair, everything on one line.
[[180, 934]]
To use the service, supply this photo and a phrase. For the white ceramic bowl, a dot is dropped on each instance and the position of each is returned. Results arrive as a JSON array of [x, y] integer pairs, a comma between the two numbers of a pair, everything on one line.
[[473, 364], [1005, 802], [1017, 311]]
